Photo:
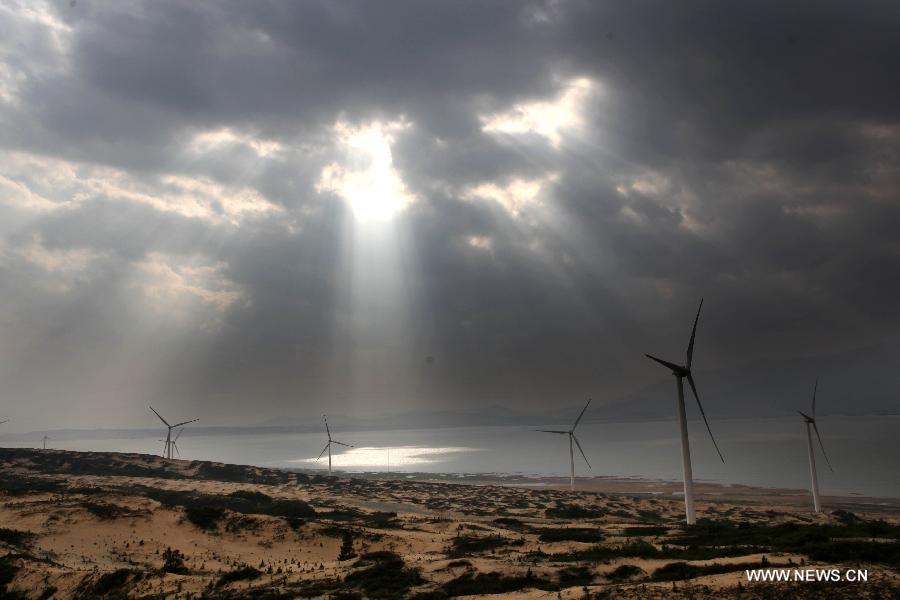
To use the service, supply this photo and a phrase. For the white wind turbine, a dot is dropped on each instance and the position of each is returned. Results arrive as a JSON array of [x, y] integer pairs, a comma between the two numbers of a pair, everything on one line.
[[572, 438], [174, 442], [681, 373], [44, 439], [328, 445], [811, 421], [168, 440]]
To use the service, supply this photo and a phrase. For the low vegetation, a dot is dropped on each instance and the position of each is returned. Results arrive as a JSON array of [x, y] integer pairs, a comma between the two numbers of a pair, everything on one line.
[[387, 578], [465, 545], [245, 573], [571, 534]]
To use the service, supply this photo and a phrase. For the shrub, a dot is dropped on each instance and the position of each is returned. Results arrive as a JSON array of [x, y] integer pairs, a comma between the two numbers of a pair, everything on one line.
[[14, 537], [469, 584], [204, 517], [173, 562], [251, 495], [386, 579], [571, 534], [347, 551], [574, 511], [623, 572], [246, 573], [466, 545]]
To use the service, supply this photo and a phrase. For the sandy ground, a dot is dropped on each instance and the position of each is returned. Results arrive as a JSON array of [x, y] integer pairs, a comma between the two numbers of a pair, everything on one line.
[[86, 525]]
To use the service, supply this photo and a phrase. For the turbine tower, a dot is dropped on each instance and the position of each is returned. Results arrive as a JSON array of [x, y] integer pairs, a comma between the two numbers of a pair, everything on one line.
[[681, 373], [328, 445], [811, 421], [174, 442], [572, 438], [169, 444], [44, 439]]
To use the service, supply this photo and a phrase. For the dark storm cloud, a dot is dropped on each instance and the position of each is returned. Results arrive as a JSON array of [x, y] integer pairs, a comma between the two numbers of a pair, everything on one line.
[[746, 153]]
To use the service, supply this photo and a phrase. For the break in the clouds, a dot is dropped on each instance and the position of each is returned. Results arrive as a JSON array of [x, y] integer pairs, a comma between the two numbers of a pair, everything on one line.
[[252, 209]]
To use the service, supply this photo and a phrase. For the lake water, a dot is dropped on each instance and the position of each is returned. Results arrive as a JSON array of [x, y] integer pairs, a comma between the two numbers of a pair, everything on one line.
[[865, 451]]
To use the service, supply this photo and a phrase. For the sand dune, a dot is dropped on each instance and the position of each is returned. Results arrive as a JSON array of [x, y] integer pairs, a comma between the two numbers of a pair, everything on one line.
[[86, 525]]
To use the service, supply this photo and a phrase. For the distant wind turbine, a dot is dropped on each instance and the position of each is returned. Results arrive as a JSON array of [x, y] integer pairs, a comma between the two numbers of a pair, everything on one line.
[[572, 438], [4, 421], [681, 373], [811, 420], [169, 443], [44, 439], [328, 445], [174, 442]]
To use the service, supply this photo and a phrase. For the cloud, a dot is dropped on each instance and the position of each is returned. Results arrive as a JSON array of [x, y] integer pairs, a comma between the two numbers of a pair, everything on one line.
[[178, 182]]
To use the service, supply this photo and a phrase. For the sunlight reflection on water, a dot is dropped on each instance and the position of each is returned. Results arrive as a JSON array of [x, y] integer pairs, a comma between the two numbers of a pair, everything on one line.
[[398, 456]]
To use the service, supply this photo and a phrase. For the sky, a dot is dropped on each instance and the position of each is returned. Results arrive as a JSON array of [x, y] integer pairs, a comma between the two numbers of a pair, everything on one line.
[[245, 211]]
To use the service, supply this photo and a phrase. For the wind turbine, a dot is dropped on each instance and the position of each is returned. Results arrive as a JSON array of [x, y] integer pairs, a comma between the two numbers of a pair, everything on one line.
[[4, 421], [174, 443], [44, 439], [572, 438], [168, 446], [328, 445], [811, 420], [681, 373]]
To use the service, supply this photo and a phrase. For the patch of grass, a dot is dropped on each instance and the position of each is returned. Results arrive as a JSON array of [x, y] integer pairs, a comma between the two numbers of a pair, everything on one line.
[[251, 495], [887, 553], [819, 542], [245, 503], [246, 573], [644, 531], [386, 579], [575, 576], [20, 485], [624, 572], [116, 580], [465, 545], [679, 571], [574, 511], [204, 517], [571, 534], [642, 549], [509, 523], [377, 556], [453, 564], [173, 562], [785, 535], [469, 584], [15, 537]]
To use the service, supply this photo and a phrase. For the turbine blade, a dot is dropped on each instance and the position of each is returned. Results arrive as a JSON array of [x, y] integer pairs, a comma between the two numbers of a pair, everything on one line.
[[690, 379], [578, 420], [341, 443], [582, 451], [675, 368], [326, 426], [690, 350], [159, 415], [815, 387], [822, 446], [178, 435], [323, 450], [178, 452], [184, 423], [550, 431], [805, 416]]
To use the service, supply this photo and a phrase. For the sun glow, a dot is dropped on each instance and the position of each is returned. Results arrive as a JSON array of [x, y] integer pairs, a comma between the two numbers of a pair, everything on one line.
[[547, 119], [395, 456], [367, 181]]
